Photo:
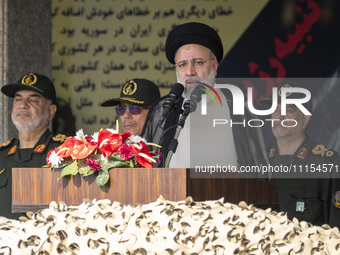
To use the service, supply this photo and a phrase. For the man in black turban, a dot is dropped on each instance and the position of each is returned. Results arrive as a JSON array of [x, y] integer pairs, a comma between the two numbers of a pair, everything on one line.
[[196, 50], [193, 33]]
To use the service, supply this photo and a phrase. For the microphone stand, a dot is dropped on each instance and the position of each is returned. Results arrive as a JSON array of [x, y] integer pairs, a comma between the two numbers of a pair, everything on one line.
[[188, 106]]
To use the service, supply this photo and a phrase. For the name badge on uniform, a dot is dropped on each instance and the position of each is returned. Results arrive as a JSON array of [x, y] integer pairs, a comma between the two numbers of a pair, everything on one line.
[[300, 205]]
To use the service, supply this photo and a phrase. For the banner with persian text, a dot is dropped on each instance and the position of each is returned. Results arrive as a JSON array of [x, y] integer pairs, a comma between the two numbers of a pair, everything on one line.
[[99, 45]]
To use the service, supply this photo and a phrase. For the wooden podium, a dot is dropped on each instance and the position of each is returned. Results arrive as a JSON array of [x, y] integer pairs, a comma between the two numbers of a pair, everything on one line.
[[35, 188]]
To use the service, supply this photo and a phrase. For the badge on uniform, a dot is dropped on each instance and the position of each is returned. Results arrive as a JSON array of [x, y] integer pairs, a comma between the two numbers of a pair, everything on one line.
[[40, 148], [11, 151], [336, 199], [300, 205], [302, 153]]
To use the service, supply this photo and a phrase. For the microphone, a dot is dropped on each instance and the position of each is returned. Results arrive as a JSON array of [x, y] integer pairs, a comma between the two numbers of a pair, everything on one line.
[[197, 93], [169, 104], [190, 106]]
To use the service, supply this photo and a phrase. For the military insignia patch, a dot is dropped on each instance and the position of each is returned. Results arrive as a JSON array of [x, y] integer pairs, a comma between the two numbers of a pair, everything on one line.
[[11, 151], [322, 151], [285, 86], [59, 138], [40, 148], [2, 171], [4, 144], [29, 79], [336, 199], [302, 153], [129, 88]]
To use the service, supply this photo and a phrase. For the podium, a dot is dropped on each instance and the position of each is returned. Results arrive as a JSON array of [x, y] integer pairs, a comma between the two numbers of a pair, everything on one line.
[[34, 188]]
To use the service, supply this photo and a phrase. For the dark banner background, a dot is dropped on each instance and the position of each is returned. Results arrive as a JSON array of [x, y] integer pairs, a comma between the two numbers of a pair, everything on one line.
[[294, 39]]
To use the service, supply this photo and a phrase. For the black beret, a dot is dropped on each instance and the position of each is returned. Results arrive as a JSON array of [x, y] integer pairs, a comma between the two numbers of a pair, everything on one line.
[[193, 33]]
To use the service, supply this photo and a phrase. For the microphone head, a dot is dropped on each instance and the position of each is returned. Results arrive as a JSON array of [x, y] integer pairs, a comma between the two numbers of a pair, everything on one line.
[[176, 90], [190, 106], [197, 93], [175, 93]]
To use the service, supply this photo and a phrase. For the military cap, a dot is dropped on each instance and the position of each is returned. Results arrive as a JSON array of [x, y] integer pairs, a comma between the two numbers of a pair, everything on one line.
[[34, 82], [140, 92], [193, 33]]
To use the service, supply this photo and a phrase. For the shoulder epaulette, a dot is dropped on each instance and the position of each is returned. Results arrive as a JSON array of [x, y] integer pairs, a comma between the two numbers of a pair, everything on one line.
[[59, 138], [323, 151], [6, 144]]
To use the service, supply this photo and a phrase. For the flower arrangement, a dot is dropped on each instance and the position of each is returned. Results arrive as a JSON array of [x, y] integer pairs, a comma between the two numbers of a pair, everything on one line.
[[100, 152]]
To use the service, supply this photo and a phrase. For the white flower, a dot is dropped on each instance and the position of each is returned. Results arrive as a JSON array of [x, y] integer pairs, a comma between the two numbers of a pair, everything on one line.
[[113, 131], [55, 160], [79, 134], [95, 137], [95, 134], [134, 139]]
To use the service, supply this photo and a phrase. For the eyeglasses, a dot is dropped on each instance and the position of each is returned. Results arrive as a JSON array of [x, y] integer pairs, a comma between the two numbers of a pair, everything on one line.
[[196, 63], [133, 109]]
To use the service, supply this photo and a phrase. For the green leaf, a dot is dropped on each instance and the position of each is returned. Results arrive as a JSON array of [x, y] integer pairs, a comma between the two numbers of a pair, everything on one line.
[[115, 157], [103, 177], [85, 170], [130, 163], [60, 166], [70, 169], [113, 164]]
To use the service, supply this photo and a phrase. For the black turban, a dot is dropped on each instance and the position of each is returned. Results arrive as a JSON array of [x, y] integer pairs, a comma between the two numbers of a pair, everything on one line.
[[193, 33]]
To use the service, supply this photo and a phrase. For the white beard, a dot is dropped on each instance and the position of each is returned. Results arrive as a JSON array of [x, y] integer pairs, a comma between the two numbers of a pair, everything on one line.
[[33, 124], [194, 81]]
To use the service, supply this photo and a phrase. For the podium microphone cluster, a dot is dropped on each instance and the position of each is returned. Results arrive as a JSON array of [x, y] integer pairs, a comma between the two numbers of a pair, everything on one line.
[[190, 106], [170, 103]]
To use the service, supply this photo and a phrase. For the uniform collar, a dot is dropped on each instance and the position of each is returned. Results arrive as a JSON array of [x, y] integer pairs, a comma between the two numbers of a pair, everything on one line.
[[301, 153], [39, 147]]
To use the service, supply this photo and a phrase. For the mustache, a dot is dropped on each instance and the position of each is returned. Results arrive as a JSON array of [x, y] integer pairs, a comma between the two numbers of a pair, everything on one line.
[[192, 79], [128, 122], [23, 112]]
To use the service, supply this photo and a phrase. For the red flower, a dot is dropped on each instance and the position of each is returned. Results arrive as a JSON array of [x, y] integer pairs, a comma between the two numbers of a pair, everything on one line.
[[93, 164], [108, 143], [82, 150], [74, 148], [64, 150], [125, 136], [88, 138], [125, 152], [160, 157], [144, 162]]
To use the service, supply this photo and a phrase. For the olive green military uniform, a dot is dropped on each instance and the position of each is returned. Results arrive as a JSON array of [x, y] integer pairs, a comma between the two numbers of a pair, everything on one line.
[[11, 156], [307, 199]]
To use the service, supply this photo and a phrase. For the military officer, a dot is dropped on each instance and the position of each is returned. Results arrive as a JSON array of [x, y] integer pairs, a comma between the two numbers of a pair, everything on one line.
[[34, 106], [134, 102], [305, 198]]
